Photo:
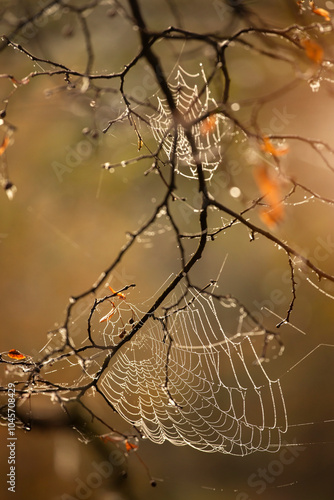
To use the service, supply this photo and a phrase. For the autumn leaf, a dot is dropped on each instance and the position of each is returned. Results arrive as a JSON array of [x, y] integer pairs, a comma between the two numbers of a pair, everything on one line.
[[14, 354], [112, 312], [268, 147], [16, 82], [272, 216], [270, 188], [320, 12], [313, 50], [106, 438], [267, 184], [208, 124], [109, 315]]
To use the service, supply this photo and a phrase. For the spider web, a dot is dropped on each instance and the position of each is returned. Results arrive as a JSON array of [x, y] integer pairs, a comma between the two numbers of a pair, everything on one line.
[[181, 379], [192, 103]]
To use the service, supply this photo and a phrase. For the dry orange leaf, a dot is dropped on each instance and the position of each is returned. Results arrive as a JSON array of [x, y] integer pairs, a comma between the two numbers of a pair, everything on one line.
[[313, 50], [272, 216], [208, 124], [268, 147], [130, 446], [106, 438], [320, 12], [270, 188], [14, 354], [4, 144]]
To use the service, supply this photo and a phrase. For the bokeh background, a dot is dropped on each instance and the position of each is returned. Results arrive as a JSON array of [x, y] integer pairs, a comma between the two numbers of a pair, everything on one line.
[[69, 218]]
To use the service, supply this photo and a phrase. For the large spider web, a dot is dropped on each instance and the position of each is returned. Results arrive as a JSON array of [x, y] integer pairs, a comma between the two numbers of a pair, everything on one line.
[[183, 380], [208, 133]]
